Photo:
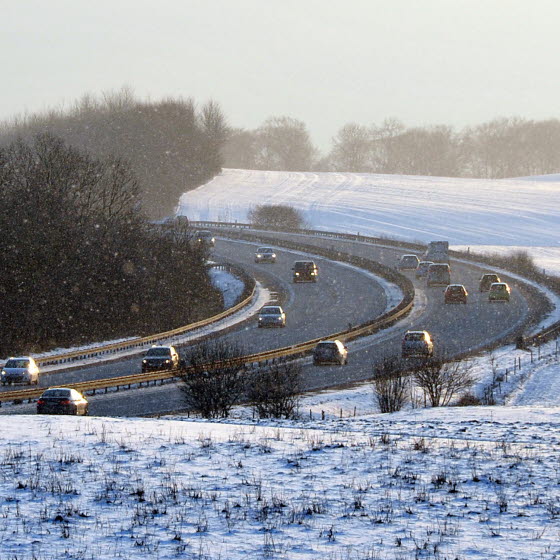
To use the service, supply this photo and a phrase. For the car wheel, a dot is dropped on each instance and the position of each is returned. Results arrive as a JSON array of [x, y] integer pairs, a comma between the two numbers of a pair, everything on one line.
[[86, 410]]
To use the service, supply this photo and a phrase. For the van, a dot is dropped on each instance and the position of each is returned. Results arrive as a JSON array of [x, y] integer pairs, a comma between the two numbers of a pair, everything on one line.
[[439, 274]]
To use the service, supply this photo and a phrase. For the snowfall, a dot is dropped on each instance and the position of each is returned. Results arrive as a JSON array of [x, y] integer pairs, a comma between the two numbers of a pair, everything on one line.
[[343, 482]]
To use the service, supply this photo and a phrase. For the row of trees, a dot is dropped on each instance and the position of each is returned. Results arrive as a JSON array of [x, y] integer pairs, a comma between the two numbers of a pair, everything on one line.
[[79, 261], [171, 145], [506, 147]]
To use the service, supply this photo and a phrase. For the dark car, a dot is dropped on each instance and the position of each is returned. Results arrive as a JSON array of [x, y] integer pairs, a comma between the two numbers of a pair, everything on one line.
[[330, 352], [417, 344], [439, 274], [160, 358], [422, 270], [265, 255], [62, 400], [305, 271], [487, 280], [455, 293], [205, 237]]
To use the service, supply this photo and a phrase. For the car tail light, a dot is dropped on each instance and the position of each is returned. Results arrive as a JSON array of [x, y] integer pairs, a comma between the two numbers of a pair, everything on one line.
[[40, 401], [65, 402]]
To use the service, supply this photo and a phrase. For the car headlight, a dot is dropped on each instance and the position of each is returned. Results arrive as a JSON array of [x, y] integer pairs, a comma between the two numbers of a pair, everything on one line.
[[167, 361], [259, 256], [297, 273], [3, 372], [144, 361]]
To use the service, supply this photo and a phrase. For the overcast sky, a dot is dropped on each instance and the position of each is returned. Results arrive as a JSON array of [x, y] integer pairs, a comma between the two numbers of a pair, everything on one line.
[[325, 62]]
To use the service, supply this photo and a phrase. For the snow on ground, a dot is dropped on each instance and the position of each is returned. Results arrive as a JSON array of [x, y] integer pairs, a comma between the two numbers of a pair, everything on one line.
[[479, 483], [230, 286], [467, 212]]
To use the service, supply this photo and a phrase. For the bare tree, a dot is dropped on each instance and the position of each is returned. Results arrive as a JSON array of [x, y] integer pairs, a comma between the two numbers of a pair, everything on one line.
[[390, 385], [352, 148], [215, 378], [274, 390], [441, 380], [283, 144]]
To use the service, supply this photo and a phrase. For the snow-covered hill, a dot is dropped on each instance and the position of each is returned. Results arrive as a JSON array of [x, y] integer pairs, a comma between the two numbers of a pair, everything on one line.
[[502, 214]]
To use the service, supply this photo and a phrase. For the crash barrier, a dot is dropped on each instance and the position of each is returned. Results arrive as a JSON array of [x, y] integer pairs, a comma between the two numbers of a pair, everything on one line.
[[545, 335], [258, 359], [106, 350]]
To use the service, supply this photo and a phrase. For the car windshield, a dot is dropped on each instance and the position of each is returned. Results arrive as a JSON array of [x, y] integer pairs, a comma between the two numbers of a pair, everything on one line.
[[57, 393], [17, 364], [326, 348], [271, 311], [497, 287], [414, 336], [265, 250], [204, 234], [158, 352], [303, 266]]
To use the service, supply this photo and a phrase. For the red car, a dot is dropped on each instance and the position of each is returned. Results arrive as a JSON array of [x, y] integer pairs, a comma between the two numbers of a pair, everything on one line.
[[455, 293]]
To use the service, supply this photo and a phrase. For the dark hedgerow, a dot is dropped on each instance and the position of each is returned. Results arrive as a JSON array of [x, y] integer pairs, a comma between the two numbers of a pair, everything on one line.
[[79, 261]]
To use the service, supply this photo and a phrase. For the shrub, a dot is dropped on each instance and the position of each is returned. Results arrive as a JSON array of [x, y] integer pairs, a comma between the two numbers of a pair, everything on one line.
[[277, 216]]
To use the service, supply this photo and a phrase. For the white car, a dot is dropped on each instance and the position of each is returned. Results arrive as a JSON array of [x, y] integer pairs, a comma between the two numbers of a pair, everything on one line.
[[22, 369]]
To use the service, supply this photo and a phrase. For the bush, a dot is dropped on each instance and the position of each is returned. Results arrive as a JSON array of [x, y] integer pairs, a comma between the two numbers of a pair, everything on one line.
[[390, 386], [217, 381], [274, 390], [276, 216]]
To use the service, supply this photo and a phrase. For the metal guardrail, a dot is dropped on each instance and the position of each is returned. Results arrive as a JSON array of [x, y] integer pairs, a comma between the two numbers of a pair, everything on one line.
[[363, 329], [139, 343]]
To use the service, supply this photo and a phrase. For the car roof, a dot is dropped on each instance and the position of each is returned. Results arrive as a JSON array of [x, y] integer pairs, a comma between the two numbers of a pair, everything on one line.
[[489, 274], [416, 332], [498, 284], [20, 358], [409, 255], [265, 249], [426, 262], [455, 286], [264, 307], [158, 346]]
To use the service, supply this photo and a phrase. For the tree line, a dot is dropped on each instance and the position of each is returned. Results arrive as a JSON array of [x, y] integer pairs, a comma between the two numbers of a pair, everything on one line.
[[80, 261], [504, 147], [171, 145]]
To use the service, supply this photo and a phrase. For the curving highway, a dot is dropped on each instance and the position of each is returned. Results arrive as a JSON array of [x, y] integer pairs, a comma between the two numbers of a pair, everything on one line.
[[340, 297]]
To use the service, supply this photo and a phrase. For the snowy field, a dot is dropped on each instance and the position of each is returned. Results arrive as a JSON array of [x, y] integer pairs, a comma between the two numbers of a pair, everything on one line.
[[479, 483], [495, 215]]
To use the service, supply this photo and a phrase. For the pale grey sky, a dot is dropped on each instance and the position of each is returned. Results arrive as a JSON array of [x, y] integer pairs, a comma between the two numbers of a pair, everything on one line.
[[326, 62]]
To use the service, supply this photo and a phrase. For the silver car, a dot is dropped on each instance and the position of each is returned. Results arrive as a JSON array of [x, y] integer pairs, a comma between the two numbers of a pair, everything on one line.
[[408, 262], [265, 255], [20, 370], [272, 316]]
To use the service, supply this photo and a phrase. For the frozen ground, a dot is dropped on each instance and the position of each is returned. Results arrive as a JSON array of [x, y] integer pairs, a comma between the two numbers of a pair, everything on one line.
[[476, 483], [503, 214]]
